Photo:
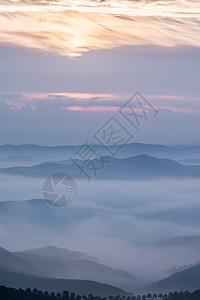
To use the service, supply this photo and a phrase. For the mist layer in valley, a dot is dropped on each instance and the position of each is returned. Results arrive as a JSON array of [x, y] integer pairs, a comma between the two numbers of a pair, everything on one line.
[[120, 223]]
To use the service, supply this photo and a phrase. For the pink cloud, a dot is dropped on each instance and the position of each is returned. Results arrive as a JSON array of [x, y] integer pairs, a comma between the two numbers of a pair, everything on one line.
[[88, 102], [92, 108]]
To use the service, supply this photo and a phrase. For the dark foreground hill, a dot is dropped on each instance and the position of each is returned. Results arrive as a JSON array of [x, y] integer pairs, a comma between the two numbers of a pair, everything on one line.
[[53, 262], [17, 280], [185, 280]]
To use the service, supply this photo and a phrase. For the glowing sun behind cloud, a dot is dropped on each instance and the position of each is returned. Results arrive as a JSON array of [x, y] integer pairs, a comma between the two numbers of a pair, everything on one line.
[[73, 27]]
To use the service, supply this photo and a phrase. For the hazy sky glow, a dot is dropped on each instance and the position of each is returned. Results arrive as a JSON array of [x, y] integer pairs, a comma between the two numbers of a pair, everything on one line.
[[73, 27]]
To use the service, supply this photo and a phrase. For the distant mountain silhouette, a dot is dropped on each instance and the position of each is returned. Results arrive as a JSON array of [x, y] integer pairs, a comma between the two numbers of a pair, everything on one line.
[[132, 168], [182, 241], [53, 252], [34, 154]]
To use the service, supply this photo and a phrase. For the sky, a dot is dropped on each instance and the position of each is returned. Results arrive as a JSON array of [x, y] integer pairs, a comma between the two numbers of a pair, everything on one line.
[[67, 66]]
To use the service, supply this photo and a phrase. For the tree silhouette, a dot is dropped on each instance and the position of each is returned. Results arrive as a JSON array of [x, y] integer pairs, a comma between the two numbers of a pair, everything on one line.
[[65, 295], [35, 294]]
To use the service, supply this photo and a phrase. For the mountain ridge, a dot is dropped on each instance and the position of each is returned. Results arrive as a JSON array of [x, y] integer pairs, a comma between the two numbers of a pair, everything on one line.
[[136, 167], [18, 280], [188, 279], [48, 263]]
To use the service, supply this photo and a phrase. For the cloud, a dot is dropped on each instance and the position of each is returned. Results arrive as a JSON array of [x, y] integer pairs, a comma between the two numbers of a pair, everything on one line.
[[54, 119], [95, 102]]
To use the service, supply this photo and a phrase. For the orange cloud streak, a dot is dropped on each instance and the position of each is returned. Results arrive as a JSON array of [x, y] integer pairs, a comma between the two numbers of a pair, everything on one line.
[[74, 27]]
